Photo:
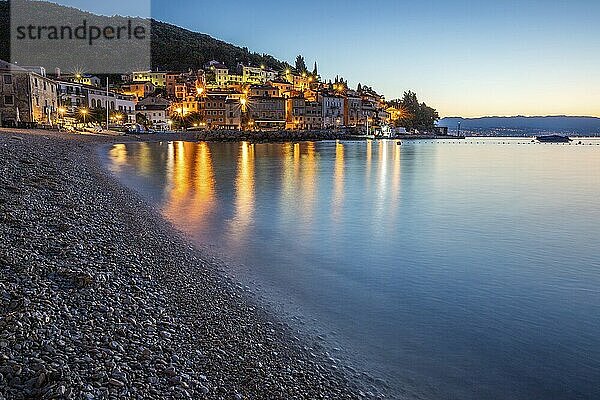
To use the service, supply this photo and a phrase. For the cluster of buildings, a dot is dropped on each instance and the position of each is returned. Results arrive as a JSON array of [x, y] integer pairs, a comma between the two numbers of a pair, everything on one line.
[[216, 97]]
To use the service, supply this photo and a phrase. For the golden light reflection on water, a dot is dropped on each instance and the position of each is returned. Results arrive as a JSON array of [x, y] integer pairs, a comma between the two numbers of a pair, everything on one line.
[[191, 192], [118, 156], [382, 184], [244, 194], [310, 170], [146, 160], [369, 161], [289, 177], [395, 186], [338, 181]]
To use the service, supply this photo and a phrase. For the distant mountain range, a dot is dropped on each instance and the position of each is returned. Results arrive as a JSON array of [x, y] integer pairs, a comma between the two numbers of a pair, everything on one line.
[[524, 126]]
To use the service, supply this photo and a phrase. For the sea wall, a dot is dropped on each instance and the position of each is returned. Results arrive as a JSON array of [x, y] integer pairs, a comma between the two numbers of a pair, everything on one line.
[[271, 136]]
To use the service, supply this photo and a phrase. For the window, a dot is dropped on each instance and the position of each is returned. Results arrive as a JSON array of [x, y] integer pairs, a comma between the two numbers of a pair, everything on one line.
[[9, 100], [8, 79]]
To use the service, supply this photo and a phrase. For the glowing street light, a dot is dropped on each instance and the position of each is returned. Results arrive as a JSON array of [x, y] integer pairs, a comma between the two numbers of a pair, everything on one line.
[[84, 113]]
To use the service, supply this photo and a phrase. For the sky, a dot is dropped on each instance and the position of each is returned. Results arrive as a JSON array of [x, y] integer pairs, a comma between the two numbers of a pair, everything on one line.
[[465, 58]]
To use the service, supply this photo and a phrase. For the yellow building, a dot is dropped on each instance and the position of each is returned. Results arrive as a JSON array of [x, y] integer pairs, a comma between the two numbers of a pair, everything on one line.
[[158, 79], [185, 106], [138, 89]]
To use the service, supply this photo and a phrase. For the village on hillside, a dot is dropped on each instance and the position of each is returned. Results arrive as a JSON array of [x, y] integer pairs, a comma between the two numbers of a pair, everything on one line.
[[214, 98]]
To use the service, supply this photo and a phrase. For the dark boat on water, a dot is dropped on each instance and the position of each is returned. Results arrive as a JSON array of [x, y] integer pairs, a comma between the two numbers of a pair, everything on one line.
[[554, 139]]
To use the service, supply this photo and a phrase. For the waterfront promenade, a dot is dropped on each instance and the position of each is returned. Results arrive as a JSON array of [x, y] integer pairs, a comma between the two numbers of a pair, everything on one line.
[[101, 298]]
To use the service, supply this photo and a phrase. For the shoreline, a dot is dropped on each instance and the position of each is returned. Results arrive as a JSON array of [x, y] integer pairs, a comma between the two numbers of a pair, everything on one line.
[[102, 296]]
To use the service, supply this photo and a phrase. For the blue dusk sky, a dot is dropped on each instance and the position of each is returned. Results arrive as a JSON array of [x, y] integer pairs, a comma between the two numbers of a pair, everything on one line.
[[467, 58]]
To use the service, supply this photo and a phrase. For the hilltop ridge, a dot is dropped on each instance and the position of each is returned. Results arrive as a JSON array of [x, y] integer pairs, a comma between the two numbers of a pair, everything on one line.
[[173, 47]]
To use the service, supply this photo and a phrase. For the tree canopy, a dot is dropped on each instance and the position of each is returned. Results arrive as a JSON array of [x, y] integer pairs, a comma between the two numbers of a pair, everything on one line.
[[301, 64], [414, 115]]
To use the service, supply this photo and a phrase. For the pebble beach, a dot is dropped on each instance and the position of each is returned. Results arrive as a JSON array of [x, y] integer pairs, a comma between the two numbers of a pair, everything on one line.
[[101, 298]]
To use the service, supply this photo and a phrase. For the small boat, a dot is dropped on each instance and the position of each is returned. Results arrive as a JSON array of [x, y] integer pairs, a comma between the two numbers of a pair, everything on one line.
[[554, 139]]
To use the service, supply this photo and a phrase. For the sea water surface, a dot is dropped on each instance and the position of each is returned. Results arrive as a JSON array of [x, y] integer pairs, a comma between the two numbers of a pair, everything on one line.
[[455, 269]]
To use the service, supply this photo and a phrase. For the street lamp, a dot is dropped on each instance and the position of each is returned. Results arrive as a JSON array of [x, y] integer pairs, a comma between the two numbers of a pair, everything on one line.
[[84, 112], [61, 113]]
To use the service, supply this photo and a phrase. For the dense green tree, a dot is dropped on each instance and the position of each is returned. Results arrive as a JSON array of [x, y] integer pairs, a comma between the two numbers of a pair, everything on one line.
[[415, 115], [143, 120], [177, 49], [301, 65], [194, 118]]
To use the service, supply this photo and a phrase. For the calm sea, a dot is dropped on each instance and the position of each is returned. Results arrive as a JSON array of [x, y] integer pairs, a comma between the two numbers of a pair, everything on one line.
[[454, 269]]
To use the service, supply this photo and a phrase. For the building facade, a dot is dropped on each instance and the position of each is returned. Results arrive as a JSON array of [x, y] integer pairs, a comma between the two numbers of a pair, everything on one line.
[[158, 79], [99, 98], [155, 110], [214, 110], [353, 109], [333, 110], [267, 112], [71, 96], [26, 97], [139, 90]]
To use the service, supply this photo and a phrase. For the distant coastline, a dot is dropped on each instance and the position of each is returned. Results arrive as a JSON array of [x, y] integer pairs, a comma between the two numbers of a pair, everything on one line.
[[524, 126]]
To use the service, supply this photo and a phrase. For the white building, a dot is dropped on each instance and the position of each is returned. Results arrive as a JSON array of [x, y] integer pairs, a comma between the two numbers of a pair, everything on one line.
[[156, 111], [333, 110], [98, 98], [72, 96]]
